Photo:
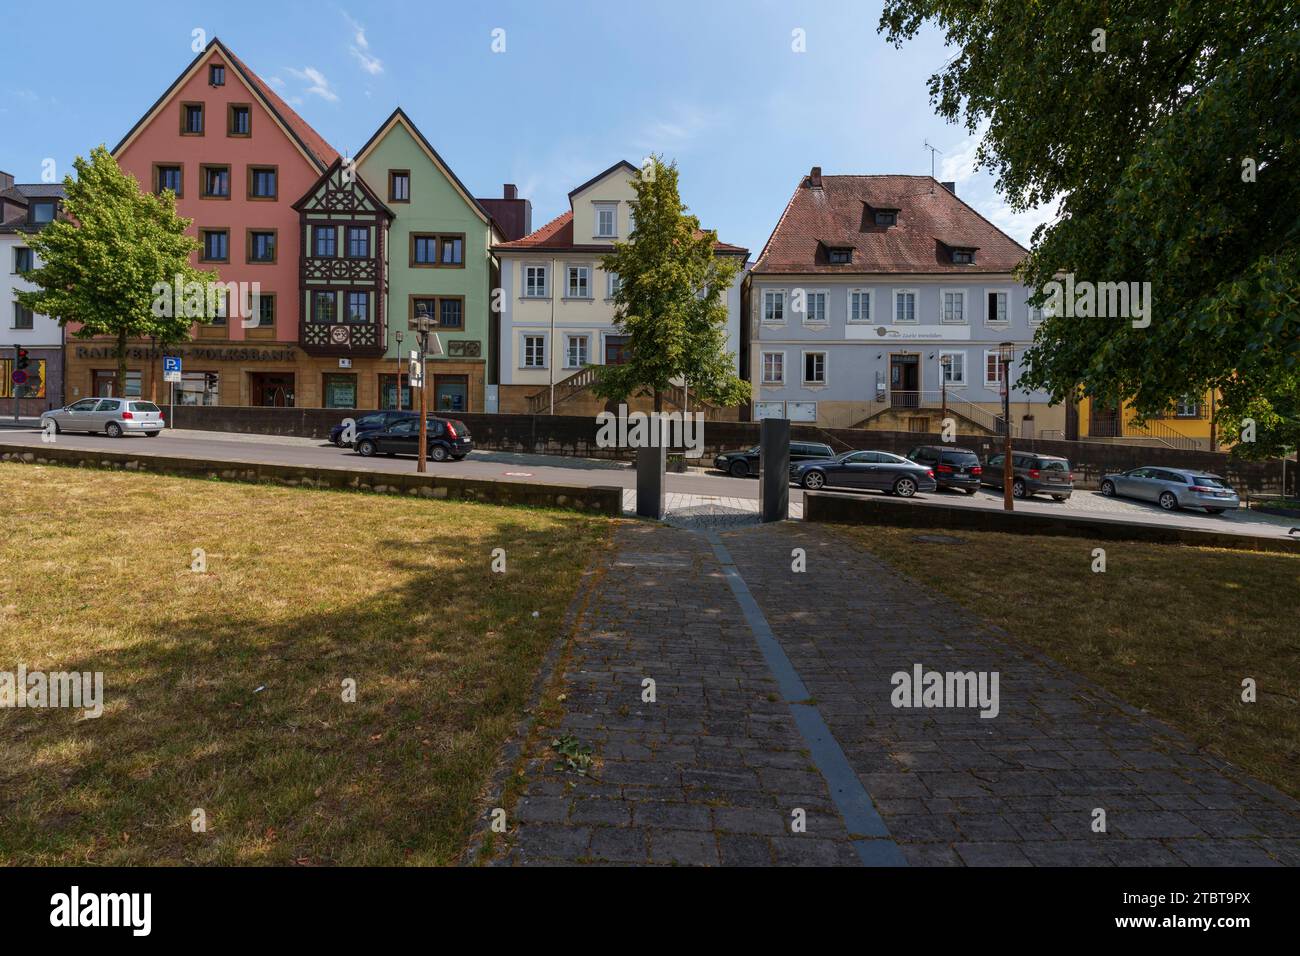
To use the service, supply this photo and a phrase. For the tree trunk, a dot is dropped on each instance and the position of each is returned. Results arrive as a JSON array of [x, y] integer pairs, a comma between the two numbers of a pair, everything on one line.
[[659, 400], [121, 363]]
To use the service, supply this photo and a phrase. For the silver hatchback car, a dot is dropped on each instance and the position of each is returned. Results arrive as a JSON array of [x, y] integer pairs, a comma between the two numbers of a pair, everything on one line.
[[1173, 488], [114, 417]]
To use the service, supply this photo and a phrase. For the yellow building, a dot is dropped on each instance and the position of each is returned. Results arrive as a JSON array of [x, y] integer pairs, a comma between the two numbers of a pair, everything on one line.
[[1188, 424]]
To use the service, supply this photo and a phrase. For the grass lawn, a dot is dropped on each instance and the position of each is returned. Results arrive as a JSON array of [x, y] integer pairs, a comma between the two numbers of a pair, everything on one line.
[[1171, 629], [223, 690]]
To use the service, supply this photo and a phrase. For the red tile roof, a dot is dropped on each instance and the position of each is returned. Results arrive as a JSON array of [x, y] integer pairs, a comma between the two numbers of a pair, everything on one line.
[[557, 236], [311, 140], [931, 222]]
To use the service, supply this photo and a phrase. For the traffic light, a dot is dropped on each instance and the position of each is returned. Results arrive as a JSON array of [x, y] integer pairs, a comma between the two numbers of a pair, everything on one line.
[[23, 362]]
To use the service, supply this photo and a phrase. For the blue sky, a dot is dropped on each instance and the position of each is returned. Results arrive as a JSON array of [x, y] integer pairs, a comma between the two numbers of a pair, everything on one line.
[[714, 84]]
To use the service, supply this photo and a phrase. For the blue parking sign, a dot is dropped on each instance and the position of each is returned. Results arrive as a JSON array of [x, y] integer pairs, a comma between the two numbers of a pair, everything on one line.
[[171, 363]]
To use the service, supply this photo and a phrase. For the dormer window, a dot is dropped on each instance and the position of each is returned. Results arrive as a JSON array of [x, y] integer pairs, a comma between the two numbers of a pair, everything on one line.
[[43, 211], [963, 257], [840, 257], [886, 217]]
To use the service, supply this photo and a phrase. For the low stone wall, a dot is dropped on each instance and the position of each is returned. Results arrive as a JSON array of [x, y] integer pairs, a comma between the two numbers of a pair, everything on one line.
[[595, 500], [576, 435], [836, 508]]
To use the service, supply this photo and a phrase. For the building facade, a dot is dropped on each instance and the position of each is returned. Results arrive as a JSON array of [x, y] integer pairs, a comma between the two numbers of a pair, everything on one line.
[[881, 302], [557, 308], [24, 210]]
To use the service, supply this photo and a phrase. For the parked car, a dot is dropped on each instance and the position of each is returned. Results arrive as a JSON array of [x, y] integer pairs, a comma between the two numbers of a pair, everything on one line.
[[742, 464], [367, 422], [1031, 475], [956, 468], [881, 470], [114, 417], [447, 438], [1172, 488]]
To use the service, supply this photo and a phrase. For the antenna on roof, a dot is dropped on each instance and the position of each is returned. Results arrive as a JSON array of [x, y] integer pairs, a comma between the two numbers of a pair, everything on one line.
[[933, 150]]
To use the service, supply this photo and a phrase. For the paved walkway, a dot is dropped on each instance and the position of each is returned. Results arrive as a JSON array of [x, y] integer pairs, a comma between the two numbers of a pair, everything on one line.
[[718, 768]]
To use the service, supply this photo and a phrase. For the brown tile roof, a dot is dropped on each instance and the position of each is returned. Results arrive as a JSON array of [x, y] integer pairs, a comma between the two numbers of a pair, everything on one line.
[[557, 236], [311, 140], [931, 222]]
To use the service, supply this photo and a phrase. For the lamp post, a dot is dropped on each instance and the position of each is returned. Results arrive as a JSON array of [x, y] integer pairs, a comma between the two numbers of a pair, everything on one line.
[[945, 366], [423, 328], [1006, 351], [398, 336]]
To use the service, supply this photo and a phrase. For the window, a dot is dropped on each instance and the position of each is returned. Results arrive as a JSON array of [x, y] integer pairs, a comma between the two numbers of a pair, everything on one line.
[[606, 221], [43, 212], [992, 368], [905, 306], [434, 251], [339, 390], [534, 351], [424, 250], [239, 120], [266, 310], [23, 260], [773, 368], [955, 372], [358, 242], [612, 284], [839, 257], [773, 305], [1035, 315], [446, 312], [889, 218], [216, 182], [167, 177], [451, 313], [535, 282], [814, 309], [1185, 407], [954, 307], [358, 308], [263, 182], [997, 308], [814, 368], [324, 239], [221, 308], [324, 307], [859, 305], [22, 317], [216, 75], [575, 355], [579, 282], [198, 388], [421, 308], [616, 349], [399, 185], [216, 245], [261, 246], [453, 250], [963, 257], [191, 119]]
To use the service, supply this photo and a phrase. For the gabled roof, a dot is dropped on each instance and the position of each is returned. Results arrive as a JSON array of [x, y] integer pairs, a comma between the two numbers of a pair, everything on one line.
[[931, 221], [359, 181], [22, 194], [557, 236], [599, 176], [399, 116], [312, 145]]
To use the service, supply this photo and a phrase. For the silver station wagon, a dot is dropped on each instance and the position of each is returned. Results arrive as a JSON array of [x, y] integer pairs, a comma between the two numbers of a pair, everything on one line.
[[114, 417], [1173, 488]]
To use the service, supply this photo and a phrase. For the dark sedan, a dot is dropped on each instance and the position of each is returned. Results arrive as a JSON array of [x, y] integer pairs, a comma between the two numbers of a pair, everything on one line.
[[447, 438], [742, 464], [367, 423], [880, 470]]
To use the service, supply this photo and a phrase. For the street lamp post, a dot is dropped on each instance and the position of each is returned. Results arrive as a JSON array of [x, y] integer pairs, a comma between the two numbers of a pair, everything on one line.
[[423, 328], [398, 336], [1006, 351], [945, 366]]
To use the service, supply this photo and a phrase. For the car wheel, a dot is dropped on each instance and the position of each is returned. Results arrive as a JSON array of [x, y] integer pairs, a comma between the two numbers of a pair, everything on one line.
[[1017, 489], [905, 487], [1214, 511], [814, 481], [365, 448], [1108, 489], [1058, 497], [739, 469], [438, 453], [114, 430], [1168, 501], [57, 429]]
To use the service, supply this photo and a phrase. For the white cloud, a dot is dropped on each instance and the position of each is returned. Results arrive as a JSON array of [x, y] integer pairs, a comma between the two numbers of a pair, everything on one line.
[[360, 48], [318, 85], [675, 131], [957, 165]]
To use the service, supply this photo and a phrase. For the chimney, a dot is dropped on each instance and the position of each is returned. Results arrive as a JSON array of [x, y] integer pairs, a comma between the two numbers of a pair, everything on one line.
[[6, 180], [815, 178], [511, 191], [951, 187]]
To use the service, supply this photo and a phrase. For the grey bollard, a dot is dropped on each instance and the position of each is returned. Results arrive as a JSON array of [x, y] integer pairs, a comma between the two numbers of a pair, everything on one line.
[[774, 468], [651, 463]]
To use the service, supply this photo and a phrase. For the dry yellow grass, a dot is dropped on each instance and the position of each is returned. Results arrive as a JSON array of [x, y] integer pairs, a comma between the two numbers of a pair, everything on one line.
[[223, 689]]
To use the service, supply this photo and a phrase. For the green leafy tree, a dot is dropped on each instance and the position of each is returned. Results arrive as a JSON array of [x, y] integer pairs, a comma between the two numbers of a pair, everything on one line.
[[105, 265], [1167, 130], [671, 303]]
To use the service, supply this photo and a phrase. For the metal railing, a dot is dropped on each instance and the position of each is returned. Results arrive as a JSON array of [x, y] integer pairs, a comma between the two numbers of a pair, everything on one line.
[[565, 388], [1158, 431]]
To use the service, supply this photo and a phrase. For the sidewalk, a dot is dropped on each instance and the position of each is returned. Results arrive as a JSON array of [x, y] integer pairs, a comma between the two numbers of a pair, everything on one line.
[[712, 772]]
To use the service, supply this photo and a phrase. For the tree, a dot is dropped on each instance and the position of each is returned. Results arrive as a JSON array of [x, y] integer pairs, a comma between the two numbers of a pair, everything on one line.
[[106, 264], [1168, 131], [671, 301]]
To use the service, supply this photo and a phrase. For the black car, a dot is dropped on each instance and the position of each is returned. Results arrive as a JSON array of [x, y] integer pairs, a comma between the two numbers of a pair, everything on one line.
[[956, 468], [881, 470], [368, 422], [742, 464], [447, 438]]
